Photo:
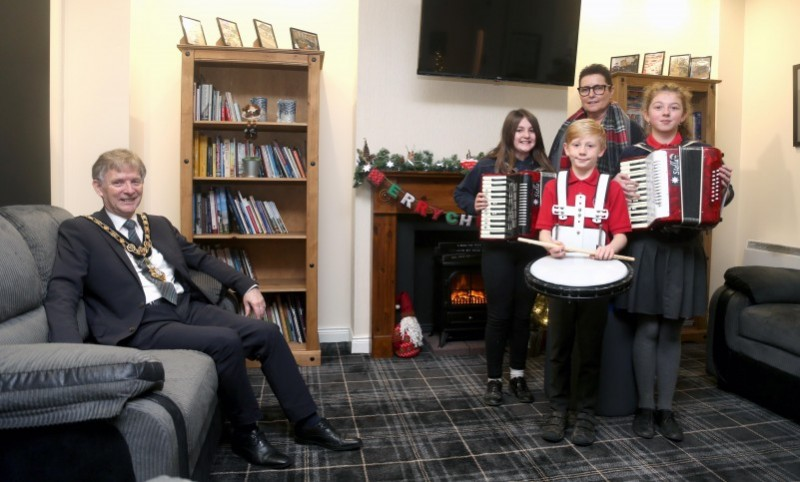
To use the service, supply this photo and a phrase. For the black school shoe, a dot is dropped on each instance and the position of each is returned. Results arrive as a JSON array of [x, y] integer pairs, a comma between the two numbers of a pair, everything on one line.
[[643, 424], [520, 390], [554, 426], [584, 432], [668, 426], [494, 393]]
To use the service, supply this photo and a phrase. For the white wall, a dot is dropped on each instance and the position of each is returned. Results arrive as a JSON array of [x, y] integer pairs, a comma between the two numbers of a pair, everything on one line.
[[769, 173]]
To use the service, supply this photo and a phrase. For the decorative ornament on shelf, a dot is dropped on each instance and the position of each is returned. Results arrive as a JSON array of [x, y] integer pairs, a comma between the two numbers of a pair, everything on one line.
[[251, 113], [407, 338], [417, 161]]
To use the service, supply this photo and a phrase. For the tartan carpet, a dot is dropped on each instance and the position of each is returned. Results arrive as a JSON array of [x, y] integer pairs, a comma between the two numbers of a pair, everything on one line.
[[422, 419]]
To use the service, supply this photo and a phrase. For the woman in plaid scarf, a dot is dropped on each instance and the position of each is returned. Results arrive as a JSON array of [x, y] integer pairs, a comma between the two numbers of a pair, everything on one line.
[[594, 87]]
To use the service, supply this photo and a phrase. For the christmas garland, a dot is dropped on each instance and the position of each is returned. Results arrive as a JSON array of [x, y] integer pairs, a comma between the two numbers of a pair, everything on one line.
[[372, 167], [415, 161]]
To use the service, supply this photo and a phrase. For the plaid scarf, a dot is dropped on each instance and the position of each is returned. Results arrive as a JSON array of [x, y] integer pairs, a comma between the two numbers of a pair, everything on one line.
[[617, 125]]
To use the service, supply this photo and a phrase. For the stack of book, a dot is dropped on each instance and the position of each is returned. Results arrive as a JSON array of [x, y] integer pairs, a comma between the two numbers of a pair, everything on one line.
[[236, 258], [218, 157], [286, 311], [213, 105], [214, 209], [282, 161]]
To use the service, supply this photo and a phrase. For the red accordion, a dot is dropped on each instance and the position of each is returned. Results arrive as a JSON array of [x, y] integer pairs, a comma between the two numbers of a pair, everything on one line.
[[677, 186], [514, 201]]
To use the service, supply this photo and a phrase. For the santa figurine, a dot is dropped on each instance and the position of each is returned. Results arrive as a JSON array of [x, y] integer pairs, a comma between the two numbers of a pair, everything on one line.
[[407, 338]]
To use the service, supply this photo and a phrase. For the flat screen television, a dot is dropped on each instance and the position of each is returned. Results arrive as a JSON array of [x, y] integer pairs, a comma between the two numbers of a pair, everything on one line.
[[505, 40]]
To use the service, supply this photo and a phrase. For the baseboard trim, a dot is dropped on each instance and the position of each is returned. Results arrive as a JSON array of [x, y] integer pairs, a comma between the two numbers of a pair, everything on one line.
[[358, 344]]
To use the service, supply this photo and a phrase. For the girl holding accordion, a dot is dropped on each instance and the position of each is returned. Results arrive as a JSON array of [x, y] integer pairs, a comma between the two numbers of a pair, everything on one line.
[[509, 300], [670, 279]]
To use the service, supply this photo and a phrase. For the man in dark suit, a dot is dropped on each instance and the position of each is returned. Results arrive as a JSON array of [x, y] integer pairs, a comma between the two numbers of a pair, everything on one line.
[[132, 271]]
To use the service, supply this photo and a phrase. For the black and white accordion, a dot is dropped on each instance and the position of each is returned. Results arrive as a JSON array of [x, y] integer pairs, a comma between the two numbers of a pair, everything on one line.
[[677, 186], [514, 201]]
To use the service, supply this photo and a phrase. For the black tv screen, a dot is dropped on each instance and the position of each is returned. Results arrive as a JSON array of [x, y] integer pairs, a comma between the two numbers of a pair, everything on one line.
[[512, 40]]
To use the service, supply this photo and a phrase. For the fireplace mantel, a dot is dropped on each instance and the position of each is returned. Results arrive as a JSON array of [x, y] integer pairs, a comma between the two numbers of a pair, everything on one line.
[[437, 189]]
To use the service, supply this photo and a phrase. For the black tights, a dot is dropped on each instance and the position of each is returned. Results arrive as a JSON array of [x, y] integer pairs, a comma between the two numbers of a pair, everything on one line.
[[509, 302]]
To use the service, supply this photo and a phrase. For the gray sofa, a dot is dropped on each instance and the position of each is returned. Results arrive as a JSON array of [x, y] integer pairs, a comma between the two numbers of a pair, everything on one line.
[[753, 342], [86, 411]]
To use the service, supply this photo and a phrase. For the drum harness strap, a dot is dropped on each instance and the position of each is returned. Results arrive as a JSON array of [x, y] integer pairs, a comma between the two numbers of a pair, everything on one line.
[[576, 235]]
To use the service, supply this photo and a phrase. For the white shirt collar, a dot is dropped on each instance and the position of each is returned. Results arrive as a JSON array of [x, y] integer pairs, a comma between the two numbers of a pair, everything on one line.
[[119, 221]]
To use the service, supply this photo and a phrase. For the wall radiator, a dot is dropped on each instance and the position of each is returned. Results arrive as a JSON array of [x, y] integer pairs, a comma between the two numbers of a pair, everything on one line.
[[766, 254]]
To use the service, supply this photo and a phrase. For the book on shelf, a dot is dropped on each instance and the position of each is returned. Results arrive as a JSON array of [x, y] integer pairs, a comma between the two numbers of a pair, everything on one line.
[[284, 310], [220, 157], [236, 258], [213, 105], [698, 125]]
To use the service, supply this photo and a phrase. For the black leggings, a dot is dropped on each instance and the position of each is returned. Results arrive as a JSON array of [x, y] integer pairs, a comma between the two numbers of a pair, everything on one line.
[[509, 302]]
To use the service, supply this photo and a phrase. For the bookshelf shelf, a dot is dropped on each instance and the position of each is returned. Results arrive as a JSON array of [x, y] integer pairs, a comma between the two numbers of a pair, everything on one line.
[[260, 126], [283, 263]]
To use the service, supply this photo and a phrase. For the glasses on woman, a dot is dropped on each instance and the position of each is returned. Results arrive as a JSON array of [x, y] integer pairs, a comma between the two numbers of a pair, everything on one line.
[[598, 89]]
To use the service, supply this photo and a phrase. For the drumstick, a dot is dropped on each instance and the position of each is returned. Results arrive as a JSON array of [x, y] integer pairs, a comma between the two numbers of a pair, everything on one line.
[[545, 244]]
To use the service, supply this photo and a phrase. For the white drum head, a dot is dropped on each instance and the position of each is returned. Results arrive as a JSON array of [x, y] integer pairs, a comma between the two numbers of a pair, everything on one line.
[[578, 271]]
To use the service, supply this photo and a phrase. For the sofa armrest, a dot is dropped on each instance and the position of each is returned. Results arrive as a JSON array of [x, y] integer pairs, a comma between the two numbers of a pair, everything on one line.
[[765, 284], [54, 383]]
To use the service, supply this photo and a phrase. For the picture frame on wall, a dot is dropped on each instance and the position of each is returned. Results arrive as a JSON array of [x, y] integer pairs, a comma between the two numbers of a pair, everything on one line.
[[229, 32], [796, 104], [192, 31], [625, 63], [265, 34], [679, 65], [700, 67], [653, 63], [303, 40]]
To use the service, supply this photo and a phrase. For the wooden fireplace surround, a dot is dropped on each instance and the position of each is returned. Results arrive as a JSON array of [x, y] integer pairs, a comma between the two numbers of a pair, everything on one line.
[[437, 189]]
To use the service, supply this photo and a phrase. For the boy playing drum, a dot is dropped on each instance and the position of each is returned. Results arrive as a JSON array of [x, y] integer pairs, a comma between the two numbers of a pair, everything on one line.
[[580, 211]]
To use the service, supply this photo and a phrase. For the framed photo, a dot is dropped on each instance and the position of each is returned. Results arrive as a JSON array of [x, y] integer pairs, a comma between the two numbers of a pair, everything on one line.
[[653, 63], [230, 33], [265, 34], [626, 63], [700, 67], [303, 40], [192, 31], [796, 90], [679, 65]]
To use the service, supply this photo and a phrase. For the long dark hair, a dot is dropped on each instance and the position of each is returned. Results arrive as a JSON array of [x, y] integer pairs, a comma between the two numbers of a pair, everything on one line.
[[504, 152]]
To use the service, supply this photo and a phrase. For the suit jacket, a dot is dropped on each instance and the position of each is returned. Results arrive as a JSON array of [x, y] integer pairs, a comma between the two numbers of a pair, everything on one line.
[[93, 266]]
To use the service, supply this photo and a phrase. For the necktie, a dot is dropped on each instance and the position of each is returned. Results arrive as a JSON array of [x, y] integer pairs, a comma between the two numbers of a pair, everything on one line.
[[166, 288]]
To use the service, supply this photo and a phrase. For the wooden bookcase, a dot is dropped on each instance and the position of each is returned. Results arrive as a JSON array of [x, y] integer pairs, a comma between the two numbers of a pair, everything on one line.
[[284, 264], [628, 92]]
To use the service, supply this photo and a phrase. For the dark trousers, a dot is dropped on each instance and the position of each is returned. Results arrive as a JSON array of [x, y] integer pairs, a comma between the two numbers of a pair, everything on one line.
[[575, 326], [509, 302], [228, 339]]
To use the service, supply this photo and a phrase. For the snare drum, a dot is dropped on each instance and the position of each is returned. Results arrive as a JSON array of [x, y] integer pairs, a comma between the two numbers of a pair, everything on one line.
[[578, 277]]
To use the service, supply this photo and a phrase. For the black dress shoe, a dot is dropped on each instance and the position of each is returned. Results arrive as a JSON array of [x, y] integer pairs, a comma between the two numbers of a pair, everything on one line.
[[643, 424], [668, 426], [324, 435], [254, 448], [520, 390]]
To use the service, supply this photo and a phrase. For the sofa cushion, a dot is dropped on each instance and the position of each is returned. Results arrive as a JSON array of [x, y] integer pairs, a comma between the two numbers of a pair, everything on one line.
[[53, 383], [38, 226], [21, 289], [774, 324], [765, 284]]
